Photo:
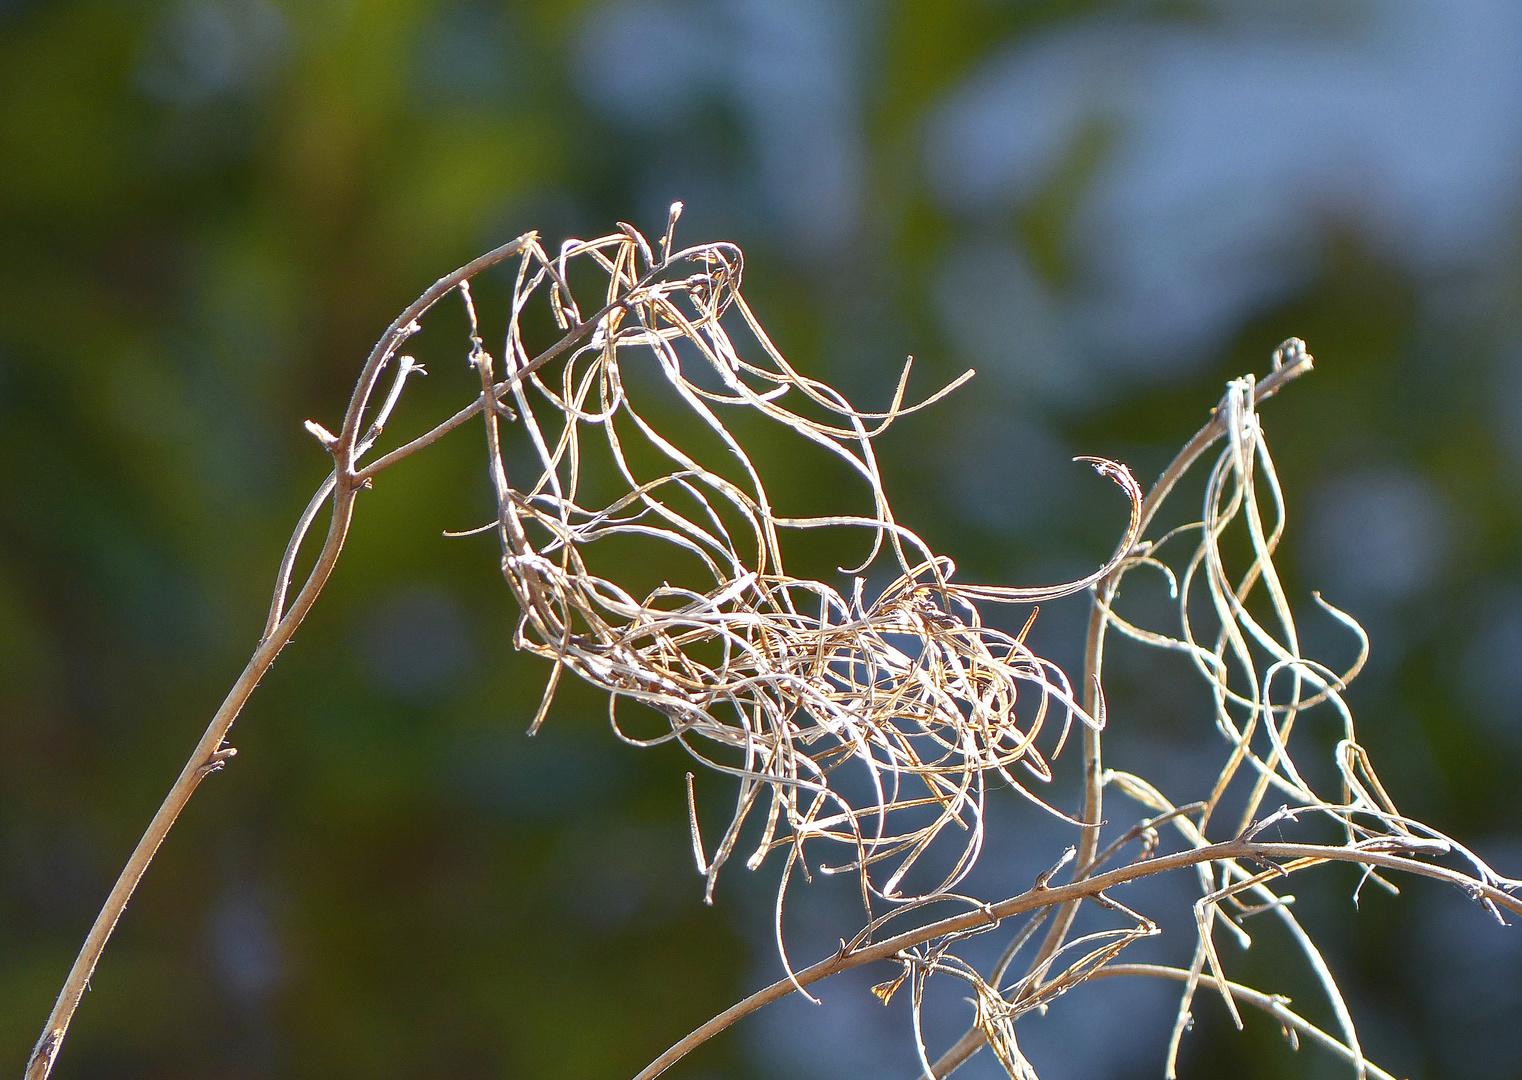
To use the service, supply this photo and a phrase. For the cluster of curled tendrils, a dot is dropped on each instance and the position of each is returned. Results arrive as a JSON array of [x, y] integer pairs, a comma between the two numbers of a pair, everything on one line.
[[1237, 625], [864, 724], [861, 729], [868, 726]]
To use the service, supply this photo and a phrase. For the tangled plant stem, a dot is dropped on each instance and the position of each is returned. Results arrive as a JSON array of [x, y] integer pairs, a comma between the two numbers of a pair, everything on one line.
[[858, 953], [870, 727]]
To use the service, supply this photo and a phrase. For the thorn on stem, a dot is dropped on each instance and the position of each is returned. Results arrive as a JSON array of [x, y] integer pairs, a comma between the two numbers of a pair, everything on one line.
[[1047, 875]]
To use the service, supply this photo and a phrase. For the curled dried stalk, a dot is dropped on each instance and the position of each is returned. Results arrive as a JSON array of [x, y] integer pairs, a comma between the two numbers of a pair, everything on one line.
[[363, 423], [865, 730], [1237, 626], [871, 726], [779, 681]]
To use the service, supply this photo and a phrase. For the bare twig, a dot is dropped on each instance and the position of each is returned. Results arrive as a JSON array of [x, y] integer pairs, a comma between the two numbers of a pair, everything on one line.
[[1093, 763], [209, 752], [1290, 362], [1303, 856]]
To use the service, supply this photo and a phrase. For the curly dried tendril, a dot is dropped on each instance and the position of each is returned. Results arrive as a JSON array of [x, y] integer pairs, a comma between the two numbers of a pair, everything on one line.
[[862, 728], [869, 726]]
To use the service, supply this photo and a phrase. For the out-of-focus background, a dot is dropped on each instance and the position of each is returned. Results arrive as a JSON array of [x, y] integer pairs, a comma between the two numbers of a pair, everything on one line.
[[210, 208]]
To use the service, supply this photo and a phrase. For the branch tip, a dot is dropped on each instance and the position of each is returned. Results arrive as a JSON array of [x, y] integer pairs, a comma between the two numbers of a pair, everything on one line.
[[321, 434]]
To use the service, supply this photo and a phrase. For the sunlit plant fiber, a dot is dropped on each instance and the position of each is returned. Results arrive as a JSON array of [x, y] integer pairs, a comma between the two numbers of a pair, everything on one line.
[[864, 729]]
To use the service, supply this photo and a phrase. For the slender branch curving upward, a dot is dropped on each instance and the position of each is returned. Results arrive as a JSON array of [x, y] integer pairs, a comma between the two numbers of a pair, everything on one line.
[[211, 753], [1303, 856]]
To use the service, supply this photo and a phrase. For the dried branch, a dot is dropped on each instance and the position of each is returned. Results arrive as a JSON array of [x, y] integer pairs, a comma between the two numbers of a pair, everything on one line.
[[1290, 362], [865, 732], [210, 753], [1232, 851]]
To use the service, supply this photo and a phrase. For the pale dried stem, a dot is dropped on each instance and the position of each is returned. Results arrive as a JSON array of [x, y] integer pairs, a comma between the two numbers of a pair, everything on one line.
[[1303, 856], [210, 753], [1093, 758], [1276, 1005]]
